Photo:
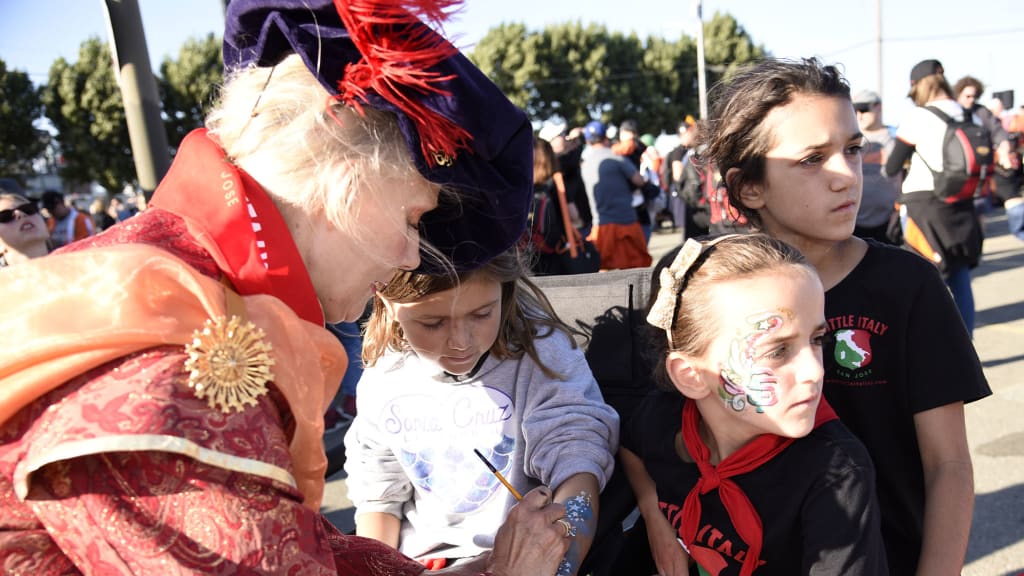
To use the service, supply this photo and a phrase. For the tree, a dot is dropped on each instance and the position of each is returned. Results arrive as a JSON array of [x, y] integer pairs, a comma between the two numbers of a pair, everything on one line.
[[727, 46], [188, 85], [83, 101], [20, 142], [570, 71], [501, 54], [578, 73]]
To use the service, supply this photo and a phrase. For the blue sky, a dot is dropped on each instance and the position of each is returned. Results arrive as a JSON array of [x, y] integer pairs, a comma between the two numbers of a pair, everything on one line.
[[985, 42]]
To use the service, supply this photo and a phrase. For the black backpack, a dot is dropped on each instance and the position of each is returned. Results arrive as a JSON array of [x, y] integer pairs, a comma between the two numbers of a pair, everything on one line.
[[966, 158]]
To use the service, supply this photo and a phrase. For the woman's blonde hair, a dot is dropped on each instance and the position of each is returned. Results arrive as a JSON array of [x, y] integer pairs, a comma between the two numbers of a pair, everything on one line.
[[736, 258], [98, 206], [13, 196], [526, 313], [304, 147], [924, 90]]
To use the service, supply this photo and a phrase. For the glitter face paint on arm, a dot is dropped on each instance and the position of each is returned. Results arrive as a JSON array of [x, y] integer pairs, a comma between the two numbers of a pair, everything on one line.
[[742, 381], [579, 513]]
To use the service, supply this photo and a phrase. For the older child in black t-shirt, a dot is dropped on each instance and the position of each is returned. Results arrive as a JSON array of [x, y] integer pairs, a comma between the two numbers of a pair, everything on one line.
[[900, 365], [755, 476]]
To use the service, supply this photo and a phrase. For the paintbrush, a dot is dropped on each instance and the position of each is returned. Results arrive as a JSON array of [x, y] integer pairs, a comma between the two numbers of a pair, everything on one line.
[[498, 475]]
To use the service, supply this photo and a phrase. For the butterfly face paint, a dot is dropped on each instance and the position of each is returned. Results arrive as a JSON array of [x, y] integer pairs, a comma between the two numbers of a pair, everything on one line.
[[742, 379]]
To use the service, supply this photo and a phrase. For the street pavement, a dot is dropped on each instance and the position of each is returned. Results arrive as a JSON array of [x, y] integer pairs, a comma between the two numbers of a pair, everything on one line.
[[995, 428]]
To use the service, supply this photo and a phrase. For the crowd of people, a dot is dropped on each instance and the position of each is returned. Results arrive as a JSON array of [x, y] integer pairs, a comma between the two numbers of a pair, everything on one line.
[[364, 207]]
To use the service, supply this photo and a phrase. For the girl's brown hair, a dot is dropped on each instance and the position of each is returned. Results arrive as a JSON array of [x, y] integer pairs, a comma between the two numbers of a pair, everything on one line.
[[739, 257], [735, 135], [526, 313], [545, 163]]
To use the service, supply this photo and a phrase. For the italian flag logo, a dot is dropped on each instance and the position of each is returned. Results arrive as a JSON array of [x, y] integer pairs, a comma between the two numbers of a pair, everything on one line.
[[853, 348]]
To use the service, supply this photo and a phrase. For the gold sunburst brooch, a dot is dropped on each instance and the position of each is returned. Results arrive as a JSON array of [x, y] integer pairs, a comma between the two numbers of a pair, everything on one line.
[[229, 363]]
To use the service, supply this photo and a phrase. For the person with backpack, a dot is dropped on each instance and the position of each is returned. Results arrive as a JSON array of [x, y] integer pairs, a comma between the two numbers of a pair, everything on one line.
[[705, 190], [545, 232], [949, 152]]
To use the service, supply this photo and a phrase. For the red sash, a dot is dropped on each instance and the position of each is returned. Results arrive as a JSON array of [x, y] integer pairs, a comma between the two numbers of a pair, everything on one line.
[[238, 225]]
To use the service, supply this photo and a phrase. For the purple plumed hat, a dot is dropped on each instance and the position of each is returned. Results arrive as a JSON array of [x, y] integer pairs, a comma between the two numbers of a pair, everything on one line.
[[461, 131]]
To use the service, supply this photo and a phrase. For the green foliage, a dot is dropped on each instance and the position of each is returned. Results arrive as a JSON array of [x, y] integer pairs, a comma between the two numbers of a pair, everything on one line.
[[188, 86], [83, 102], [20, 106], [502, 55], [726, 46], [570, 71], [579, 73]]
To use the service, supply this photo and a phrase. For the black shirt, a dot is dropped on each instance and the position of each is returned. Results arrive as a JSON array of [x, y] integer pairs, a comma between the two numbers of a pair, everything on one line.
[[816, 499], [899, 347]]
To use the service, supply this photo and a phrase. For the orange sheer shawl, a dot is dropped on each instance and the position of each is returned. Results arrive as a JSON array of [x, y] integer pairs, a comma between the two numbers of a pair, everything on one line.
[[68, 313]]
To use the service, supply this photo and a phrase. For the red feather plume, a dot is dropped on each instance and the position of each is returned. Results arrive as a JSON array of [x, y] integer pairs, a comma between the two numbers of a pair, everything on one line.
[[397, 54]]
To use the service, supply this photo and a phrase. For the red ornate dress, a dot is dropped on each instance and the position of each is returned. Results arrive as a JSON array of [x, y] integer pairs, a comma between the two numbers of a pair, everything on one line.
[[111, 461]]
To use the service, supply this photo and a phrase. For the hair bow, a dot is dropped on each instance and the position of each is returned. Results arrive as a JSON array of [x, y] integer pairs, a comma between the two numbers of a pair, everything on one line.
[[672, 282]]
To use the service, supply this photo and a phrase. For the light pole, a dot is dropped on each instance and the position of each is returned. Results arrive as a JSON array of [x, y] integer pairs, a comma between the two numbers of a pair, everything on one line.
[[702, 88], [878, 46], [139, 93]]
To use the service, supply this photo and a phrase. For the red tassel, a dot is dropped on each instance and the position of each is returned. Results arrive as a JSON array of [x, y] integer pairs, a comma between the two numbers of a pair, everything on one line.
[[397, 53]]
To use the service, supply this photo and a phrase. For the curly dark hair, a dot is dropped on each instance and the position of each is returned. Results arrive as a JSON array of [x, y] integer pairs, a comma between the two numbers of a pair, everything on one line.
[[734, 132], [966, 81]]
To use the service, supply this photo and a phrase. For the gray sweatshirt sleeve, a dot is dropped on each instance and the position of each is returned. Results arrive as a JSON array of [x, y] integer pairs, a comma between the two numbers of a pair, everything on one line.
[[567, 426], [376, 481]]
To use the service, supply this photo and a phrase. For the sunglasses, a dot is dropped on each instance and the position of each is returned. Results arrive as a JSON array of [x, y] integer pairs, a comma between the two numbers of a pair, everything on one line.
[[863, 107], [28, 209]]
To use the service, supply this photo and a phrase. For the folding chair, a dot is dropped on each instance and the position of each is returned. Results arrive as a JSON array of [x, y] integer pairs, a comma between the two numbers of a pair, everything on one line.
[[610, 307]]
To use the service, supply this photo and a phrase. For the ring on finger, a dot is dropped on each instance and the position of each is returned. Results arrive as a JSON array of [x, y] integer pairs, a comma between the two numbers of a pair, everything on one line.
[[569, 530]]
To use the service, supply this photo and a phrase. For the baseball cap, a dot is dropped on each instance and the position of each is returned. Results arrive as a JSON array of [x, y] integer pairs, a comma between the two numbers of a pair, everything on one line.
[[595, 130], [866, 97], [461, 132], [923, 69], [647, 139]]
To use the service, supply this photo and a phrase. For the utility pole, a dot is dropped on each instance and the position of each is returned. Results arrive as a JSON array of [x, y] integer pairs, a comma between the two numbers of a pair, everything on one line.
[[138, 92], [878, 46], [702, 88]]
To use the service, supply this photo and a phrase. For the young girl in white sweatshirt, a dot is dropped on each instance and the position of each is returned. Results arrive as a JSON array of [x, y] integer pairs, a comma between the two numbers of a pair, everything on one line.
[[473, 361]]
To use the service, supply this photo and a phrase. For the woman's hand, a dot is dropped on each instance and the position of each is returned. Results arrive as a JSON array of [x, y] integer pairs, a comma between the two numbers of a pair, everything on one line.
[[531, 541]]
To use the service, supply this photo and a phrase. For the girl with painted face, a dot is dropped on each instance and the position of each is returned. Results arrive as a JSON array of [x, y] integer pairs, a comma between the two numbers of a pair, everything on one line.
[[757, 475], [474, 361], [899, 364]]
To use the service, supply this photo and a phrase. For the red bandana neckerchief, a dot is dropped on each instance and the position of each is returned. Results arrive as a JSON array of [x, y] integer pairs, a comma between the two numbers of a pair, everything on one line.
[[237, 224], [741, 512]]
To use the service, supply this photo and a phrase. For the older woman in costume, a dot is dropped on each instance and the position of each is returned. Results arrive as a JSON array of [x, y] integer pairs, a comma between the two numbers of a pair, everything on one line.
[[177, 428]]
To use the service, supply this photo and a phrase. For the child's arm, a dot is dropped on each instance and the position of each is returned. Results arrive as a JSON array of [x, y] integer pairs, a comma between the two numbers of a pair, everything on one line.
[[669, 556], [948, 486], [377, 484], [379, 526], [579, 495]]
